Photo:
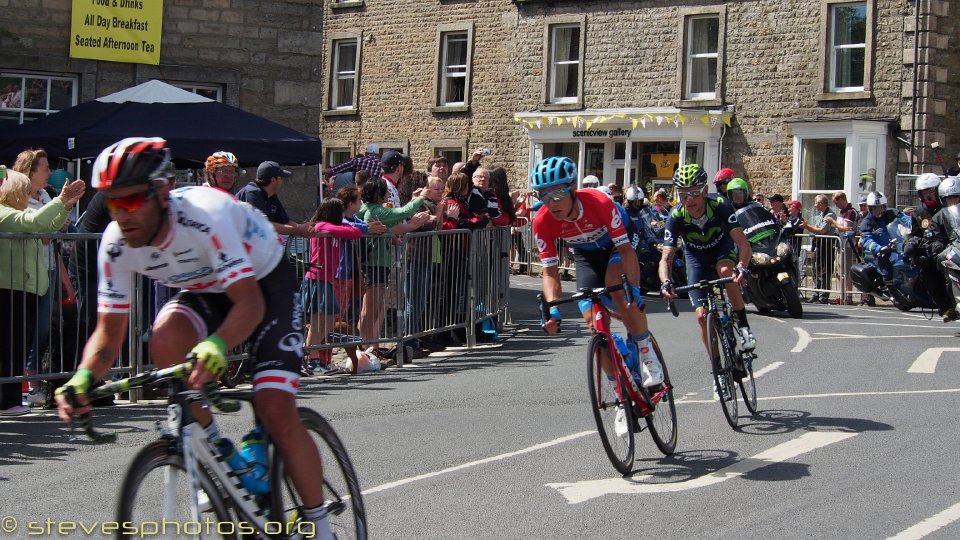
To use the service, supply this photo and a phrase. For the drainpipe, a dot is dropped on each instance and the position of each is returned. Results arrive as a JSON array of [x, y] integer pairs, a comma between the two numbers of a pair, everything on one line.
[[916, 75]]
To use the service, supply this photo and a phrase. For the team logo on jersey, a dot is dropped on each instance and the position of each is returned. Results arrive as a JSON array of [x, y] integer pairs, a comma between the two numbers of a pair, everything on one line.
[[616, 221], [541, 245], [114, 251], [667, 236]]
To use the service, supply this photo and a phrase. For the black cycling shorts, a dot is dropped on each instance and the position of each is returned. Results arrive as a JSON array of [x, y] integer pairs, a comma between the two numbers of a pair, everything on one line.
[[276, 343]]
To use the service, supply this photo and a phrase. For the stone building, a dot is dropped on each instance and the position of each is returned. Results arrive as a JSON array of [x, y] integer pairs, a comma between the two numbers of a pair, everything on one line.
[[798, 97], [263, 56]]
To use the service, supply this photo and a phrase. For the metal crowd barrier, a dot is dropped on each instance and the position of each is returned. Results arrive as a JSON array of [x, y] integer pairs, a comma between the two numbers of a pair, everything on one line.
[[422, 284], [824, 263], [525, 258]]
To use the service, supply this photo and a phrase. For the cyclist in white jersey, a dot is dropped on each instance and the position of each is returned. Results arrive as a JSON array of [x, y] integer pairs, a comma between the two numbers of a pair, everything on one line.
[[236, 283]]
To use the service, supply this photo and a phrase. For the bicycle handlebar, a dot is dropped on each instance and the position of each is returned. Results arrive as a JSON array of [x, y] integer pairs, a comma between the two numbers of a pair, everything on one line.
[[147, 378], [702, 284], [592, 294]]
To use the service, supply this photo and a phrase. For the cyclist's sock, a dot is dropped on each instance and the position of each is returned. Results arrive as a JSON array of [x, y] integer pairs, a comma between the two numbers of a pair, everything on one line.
[[318, 516], [640, 337], [742, 317], [212, 430]]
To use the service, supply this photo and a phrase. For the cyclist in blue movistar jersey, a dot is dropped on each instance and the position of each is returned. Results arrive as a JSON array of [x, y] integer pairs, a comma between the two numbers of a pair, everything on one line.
[[714, 245]]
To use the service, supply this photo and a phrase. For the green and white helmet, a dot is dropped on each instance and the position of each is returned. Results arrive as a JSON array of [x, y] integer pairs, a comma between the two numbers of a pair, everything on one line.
[[690, 175]]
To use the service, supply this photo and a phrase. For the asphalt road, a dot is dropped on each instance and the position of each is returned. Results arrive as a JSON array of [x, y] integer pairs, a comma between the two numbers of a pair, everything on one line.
[[856, 438]]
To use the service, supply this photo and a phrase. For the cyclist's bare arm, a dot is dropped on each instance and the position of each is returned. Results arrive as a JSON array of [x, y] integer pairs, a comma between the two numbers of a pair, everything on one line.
[[552, 290], [743, 249], [666, 263], [246, 313], [99, 354]]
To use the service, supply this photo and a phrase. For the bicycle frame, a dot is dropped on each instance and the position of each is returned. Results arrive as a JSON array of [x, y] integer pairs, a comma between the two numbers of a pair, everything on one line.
[[197, 451]]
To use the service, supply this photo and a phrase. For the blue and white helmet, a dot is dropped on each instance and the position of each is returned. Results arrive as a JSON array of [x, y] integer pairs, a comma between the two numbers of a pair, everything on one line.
[[553, 171]]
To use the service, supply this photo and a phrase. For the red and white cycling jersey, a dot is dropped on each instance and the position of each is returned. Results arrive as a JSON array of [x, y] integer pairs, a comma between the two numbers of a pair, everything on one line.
[[598, 227], [214, 240]]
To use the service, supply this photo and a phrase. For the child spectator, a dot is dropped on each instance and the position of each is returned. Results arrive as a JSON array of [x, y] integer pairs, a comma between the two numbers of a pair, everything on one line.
[[316, 290]]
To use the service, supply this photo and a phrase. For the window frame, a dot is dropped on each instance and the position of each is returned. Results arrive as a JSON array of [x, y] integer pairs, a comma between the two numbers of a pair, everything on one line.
[[194, 87], [440, 145], [827, 89], [687, 15], [854, 133], [22, 110], [691, 57], [549, 72], [332, 53], [443, 32]]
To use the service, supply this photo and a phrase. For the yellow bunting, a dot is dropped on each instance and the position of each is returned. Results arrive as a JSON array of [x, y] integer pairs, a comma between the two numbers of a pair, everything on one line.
[[633, 122], [705, 120], [682, 118], [726, 120]]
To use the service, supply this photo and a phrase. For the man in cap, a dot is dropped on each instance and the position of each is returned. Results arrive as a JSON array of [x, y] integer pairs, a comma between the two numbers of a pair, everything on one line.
[[955, 170], [262, 195]]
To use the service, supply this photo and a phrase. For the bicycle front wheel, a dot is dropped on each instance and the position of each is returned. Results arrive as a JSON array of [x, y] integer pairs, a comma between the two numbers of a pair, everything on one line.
[[721, 348], [341, 489], [663, 420], [608, 407], [748, 386], [156, 491]]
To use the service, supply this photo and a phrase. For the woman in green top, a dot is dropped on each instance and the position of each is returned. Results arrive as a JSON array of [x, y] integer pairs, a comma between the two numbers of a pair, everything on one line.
[[22, 278], [377, 255]]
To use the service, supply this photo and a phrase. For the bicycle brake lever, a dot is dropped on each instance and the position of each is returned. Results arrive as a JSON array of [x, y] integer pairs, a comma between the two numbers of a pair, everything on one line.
[[214, 397], [86, 422]]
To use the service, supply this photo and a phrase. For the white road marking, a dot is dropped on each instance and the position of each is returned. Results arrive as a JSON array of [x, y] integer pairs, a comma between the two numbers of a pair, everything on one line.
[[930, 525], [534, 448], [927, 361], [837, 394], [852, 323], [766, 369], [578, 492], [803, 339]]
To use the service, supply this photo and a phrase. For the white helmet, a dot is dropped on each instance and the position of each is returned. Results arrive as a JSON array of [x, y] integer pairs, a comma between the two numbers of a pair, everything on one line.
[[950, 187], [606, 191], [635, 193], [927, 181], [875, 198], [590, 181]]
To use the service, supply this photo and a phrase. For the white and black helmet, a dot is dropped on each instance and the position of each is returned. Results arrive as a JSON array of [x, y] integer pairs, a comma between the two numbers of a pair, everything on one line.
[[634, 193], [927, 181], [875, 198], [950, 187]]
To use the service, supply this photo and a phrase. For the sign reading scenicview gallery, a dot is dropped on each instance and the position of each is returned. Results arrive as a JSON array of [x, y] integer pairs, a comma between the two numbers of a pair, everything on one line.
[[117, 30]]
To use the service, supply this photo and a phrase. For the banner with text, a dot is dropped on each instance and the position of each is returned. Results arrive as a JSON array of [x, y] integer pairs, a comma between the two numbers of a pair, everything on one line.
[[117, 30]]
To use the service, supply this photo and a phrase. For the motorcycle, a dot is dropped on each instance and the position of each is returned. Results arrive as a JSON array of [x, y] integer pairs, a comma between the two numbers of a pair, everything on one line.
[[772, 281], [891, 275], [650, 271]]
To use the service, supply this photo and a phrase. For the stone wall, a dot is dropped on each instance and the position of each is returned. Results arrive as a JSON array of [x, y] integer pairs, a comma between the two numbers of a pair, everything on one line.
[[772, 65], [265, 55]]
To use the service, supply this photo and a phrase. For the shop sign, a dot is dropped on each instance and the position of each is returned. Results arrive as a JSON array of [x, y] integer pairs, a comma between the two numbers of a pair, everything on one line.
[[611, 133], [117, 30]]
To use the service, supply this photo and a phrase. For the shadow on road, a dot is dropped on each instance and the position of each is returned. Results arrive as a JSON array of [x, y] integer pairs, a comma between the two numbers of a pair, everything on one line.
[[788, 421]]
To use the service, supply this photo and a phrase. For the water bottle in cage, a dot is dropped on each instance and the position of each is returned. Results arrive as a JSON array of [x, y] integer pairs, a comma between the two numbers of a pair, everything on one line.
[[631, 359]]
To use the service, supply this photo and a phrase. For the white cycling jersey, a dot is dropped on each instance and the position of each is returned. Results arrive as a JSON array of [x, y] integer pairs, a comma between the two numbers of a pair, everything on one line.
[[213, 241]]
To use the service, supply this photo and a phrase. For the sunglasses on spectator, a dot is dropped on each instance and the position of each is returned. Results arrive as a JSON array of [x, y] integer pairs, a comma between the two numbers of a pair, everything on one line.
[[554, 196], [131, 203], [683, 195]]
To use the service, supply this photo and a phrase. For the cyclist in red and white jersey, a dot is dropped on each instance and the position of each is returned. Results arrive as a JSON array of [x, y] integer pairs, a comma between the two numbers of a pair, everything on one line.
[[236, 283], [593, 227]]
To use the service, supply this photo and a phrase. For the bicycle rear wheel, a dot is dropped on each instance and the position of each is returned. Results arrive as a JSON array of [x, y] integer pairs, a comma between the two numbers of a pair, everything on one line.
[[663, 420], [156, 491], [721, 347], [606, 403], [341, 489]]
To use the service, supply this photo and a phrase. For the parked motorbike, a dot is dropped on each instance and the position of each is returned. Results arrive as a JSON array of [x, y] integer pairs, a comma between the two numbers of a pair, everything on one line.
[[650, 272], [772, 282], [891, 275]]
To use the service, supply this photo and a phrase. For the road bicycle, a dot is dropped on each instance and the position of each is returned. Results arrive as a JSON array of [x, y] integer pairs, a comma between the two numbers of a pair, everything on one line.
[[183, 482], [731, 365], [612, 392]]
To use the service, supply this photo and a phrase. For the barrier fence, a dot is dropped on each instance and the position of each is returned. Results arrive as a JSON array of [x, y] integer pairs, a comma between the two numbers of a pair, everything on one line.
[[373, 291], [823, 261]]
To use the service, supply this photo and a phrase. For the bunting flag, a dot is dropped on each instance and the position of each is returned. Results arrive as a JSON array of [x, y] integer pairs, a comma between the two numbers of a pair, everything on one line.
[[678, 119]]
